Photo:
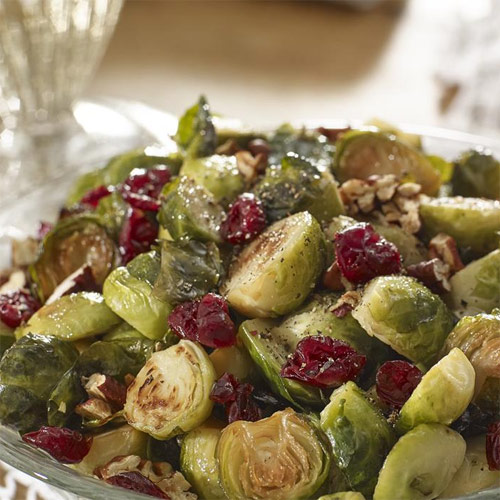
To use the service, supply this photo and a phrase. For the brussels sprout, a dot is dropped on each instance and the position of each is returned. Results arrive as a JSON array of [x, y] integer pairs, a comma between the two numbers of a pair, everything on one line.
[[476, 287], [297, 185], [473, 223], [189, 269], [123, 331], [282, 457], [123, 441], [406, 315], [199, 463], [343, 495], [413, 140], [72, 317], [421, 464], [442, 395], [83, 185], [361, 154], [111, 211], [62, 401], [190, 211], [277, 271], [474, 474], [20, 408], [72, 243], [170, 394], [7, 338], [359, 434], [218, 174], [234, 360], [128, 292], [477, 173]]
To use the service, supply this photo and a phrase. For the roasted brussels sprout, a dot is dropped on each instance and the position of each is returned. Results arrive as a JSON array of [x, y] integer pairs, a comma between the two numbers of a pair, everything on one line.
[[297, 185], [170, 394], [405, 315], [74, 242], [282, 457], [476, 287], [72, 317], [474, 223], [359, 434], [128, 292], [421, 464], [190, 211], [199, 463], [413, 140], [277, 271], [343, 495], [233, 359], [442, 395], [21, 409], [477, 173], [111, 211], [7, 338], [360, 154], [218, 174], [63, 399]]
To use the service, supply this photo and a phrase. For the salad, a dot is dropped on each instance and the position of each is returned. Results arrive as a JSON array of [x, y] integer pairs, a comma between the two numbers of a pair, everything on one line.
[[295, 314]]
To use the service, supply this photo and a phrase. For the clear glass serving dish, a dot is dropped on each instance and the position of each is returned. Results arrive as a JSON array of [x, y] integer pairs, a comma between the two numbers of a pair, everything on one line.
[[21, 214]]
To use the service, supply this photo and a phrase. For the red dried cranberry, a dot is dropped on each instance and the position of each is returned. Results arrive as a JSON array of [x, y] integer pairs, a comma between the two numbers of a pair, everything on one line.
[[396, 380], [244, 406], [323, 362], [224, 389], [92, 197], [363, 254], [135, 481], [142, 189], [137, 234], [65, 445], [245, 220], [493, 446], [17, 307], [182, 320], [44, 228]]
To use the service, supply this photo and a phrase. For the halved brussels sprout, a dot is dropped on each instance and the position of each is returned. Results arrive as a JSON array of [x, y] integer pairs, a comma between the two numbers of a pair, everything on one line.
[[170, 394], [74, 242], [111, 211], [218, 174], [343, 495], [72, 317], [421, 464], [277, 271], [474, 474], [282, 457], [199, 463], [442, 395], [477, 173], [476, 287], [474, 223], [64, 398], [359, 434], [406, 315], [297, 185], [123, 441], [413, 140], [128, 292], [190, 211], [234, 360], [360, 154], [21, 409]]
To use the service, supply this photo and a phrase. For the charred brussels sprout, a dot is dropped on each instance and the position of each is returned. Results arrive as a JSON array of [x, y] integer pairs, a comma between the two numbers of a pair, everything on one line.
[[72, 243], [297, 185], [128, 292], [190, 211], [477, 173], [72, 317], [442, 395], [361, 154], [277, 271], [473, 223], [170, 394], [289, 454], [406, 315], [359, 434], [421, 464], [199, 463]]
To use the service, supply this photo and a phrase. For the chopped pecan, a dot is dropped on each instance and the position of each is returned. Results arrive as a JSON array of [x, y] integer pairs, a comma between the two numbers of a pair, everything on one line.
[[250, 166], [24, 252], [259, 146], [332, 278], [94, 409], [106, 388], [432, 273], [346, 303], [333, 134], [14, 280], [444, 247], [128, 379], [228, 148]]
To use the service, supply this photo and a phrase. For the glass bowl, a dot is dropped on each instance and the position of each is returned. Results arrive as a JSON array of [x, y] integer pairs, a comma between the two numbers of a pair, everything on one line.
[[20, 216]]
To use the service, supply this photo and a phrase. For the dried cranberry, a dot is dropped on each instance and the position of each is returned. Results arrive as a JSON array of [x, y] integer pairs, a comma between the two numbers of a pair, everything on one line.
[[182, 320], [137, 235], [17, 307], [224, 389], [44, 228], [244, 221], [142, 189], [92, 197], [363, 254], [244, 406], [135, 481], [323, 362], [396, 380], [493, 446], [65, 445]]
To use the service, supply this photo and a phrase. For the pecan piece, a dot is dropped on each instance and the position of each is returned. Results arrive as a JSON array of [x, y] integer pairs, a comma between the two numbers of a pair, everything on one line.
[[94, 409], [444, 247], [250, 166], [432, 273], [332, 278], [346, 303], [228, 148], [106, 388]]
